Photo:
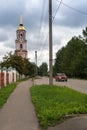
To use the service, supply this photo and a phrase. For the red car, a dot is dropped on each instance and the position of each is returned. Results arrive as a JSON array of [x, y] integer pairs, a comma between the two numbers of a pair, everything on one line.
[[61, 77]]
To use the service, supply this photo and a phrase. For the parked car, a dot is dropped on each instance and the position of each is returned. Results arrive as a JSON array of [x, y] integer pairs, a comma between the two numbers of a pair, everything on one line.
[[61, 77]]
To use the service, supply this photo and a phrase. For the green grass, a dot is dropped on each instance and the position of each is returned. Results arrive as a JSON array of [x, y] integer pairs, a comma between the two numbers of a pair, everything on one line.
[[5, 93], [53, 104]]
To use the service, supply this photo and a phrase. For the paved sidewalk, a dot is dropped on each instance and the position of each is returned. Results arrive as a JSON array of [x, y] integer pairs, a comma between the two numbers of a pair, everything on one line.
[[18, 113]]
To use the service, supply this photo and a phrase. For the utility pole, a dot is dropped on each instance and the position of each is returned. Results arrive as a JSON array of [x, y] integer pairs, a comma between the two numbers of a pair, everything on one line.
[[50, 45], [36, 61]]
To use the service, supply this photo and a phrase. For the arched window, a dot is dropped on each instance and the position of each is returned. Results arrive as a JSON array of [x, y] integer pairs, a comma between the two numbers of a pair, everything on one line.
[[20, 36], [21, 46]]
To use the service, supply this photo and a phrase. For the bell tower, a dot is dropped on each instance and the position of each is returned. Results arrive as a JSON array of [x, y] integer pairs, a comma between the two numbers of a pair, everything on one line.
[[21, 42]]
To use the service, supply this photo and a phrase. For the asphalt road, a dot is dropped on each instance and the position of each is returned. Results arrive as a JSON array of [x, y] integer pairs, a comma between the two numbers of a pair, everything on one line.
[[79, 85]]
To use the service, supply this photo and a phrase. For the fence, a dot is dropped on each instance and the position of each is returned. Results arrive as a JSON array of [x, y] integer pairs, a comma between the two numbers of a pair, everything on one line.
[[7, 76]]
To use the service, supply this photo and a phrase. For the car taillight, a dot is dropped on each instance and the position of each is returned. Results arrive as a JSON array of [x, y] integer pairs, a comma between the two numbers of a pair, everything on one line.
[[59, 77]]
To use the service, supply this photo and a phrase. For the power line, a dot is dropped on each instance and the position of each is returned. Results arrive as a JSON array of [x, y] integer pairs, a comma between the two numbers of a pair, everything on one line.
[[42, 49], [57, 10], [41, 26], [41, 22], [52, 21], [74, 9], [45, 41], [41, 39]]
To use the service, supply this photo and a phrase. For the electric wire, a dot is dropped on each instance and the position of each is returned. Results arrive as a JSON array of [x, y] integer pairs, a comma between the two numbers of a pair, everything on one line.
[[45, 41], [39, 33], [57, 10], [41, 24], [74, 9], [41, 49], [60, 3]]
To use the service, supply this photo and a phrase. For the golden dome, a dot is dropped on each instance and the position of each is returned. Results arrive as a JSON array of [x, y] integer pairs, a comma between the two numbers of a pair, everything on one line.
[[21, 28]]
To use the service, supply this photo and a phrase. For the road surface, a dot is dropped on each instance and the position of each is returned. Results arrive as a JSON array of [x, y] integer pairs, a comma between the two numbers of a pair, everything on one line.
[[79, 85]]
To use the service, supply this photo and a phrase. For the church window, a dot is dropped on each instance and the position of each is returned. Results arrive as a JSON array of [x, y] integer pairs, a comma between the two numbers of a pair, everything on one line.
[[21, 46], [20, 36]]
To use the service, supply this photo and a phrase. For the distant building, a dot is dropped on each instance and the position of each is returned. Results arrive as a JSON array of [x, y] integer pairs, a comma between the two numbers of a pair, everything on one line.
[[21, 42]]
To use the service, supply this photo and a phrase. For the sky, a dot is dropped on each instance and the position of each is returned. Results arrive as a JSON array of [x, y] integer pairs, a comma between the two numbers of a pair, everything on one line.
[[69, 20]]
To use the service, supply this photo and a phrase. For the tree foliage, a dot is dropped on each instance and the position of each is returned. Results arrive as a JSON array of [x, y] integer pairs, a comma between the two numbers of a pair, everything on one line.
[[72, 59], [23, 66], [43, 69]]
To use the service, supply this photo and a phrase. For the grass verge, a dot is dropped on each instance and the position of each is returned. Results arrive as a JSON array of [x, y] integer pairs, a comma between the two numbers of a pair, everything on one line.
[[53, 104], [5, 93]]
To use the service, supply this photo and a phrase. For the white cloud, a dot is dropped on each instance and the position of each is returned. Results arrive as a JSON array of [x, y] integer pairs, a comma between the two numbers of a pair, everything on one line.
[[67, 24]]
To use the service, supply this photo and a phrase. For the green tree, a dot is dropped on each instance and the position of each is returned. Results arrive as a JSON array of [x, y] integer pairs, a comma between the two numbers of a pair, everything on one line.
[[85, 35], [72, 59], [58, 65], [23, 66], [79, 64], [43, 69]]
